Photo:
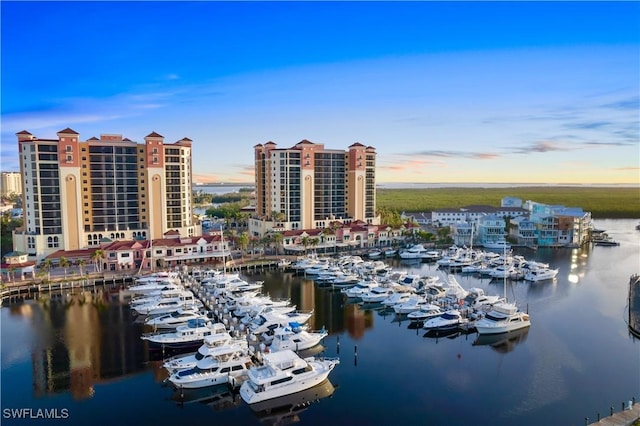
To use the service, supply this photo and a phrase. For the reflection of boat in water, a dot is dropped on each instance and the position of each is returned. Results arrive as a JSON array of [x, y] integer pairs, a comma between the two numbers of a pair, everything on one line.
[[285, 409], [219, 397], [503, 343], [450, 333]]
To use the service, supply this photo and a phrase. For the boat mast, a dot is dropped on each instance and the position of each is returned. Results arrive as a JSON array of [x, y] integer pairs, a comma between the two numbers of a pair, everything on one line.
[[504, 275]]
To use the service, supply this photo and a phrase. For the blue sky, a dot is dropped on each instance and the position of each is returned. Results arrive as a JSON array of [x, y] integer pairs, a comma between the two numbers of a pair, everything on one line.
[[539, 92]]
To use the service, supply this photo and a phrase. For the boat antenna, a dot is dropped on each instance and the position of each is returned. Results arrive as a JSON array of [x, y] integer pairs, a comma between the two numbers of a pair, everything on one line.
[[504, 274]]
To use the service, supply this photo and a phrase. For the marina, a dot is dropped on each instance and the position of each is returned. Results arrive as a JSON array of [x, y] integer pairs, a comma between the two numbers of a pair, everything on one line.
[[553, 372]]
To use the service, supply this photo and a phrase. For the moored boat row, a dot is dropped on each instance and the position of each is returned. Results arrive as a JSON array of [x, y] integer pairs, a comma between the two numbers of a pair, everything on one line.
[[237, 337]]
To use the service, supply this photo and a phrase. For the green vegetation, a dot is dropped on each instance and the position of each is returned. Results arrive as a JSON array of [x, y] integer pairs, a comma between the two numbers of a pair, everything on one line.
[[6, 229], [610, 203], [242, 197]]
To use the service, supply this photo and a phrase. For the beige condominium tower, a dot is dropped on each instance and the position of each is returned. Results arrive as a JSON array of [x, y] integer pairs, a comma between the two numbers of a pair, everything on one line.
[[79, 193], [307, 186]]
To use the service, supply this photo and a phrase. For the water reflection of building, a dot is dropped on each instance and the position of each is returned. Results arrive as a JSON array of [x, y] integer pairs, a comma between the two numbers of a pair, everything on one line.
[[329, 310], [82, 339]]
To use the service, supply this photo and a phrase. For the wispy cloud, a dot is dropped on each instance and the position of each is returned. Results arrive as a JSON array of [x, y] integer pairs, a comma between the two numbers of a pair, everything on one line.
[[632, 103], [206, 177], [414, 166], [606, 144], [246, 170], [543, 146], [74, 111], [587, 125], [626, 169], [456, 154]]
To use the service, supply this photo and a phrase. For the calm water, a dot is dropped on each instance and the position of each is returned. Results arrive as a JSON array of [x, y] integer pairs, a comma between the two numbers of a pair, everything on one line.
[[577, 359]]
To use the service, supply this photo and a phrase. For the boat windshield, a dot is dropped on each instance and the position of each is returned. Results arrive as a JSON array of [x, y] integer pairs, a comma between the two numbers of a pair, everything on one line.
[[491, 317], [449, 316]]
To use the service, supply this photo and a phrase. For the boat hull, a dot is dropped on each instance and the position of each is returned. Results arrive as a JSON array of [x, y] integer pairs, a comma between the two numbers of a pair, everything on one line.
[[251, 397], [499, 329]]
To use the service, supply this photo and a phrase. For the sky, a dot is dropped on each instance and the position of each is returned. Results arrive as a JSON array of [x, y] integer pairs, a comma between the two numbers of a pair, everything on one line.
[[446, 92]]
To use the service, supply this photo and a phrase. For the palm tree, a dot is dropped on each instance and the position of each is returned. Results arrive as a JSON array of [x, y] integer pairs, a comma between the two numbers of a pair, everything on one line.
[[97, 257], [243, 242], [243, 219], [314, 243], [277, 216], [278, 238], [81, 263], [42, 275], [46, 266], [305, 242], [266, 241], [64, 264]]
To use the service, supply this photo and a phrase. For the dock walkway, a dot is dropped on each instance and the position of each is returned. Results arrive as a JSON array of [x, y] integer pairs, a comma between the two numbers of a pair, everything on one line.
[[621, 418]]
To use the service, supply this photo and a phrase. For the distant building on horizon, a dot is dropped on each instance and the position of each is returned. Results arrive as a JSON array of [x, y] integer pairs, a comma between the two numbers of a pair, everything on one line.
[[10, 183], [77, 193], [308, 187]]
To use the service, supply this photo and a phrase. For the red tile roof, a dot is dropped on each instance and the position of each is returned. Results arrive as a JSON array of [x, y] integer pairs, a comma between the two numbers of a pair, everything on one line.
[[23, 132], [69, 131], [17, 265], [154, 135]]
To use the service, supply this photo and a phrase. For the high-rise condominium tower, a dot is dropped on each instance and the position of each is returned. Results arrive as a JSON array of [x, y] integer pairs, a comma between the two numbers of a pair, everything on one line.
[[77, 193], [307, 186]]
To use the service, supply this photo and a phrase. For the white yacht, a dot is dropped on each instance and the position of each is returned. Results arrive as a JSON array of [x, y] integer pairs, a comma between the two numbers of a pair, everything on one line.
[[451, 319], [477, 299], [413, 303], [376, 294], [426, 312], [360, 288], [165, 305], [186, 336], [502, 318], [401, 295], [540, 274], [271, 321], [211, 371], [284, 373], [147, 287], [295, 338], [390, 252], [214, 346], [175, 318], [266, 310], [499, 244], [414, 252], [168, 291]]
